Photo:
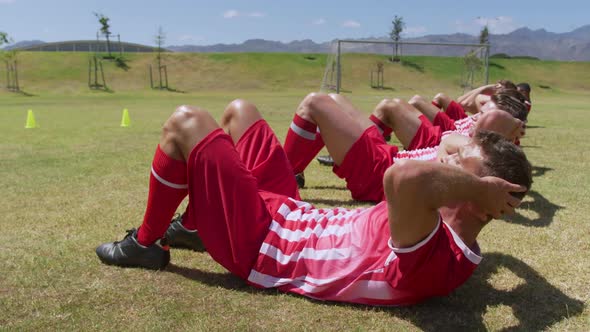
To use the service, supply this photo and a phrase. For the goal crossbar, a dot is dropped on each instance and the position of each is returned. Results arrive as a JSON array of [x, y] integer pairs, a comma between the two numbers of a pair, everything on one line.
[[393, 43]]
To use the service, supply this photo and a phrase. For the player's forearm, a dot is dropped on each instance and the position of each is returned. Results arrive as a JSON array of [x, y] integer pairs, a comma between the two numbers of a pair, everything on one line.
[[434, 184], [471, 95]]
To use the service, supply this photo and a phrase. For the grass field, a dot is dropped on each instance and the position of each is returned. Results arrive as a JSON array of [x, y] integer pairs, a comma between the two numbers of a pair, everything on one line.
[[80, 180]]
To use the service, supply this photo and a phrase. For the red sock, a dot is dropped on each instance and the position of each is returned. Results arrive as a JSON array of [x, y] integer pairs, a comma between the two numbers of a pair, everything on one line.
[[383, 128], [436, 104], [302, 144], [168, 187]]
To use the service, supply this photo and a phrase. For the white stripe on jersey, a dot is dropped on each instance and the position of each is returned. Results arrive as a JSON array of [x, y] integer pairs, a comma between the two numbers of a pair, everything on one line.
[[306, 253], [463, 127], [426, 154], [268, 281], [302, 132], [318, 230]]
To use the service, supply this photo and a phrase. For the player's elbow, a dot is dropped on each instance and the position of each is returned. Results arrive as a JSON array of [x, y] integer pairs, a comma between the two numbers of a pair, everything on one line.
[[404, 178]]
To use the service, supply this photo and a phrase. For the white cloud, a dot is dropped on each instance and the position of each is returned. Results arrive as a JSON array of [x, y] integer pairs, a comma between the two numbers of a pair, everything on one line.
[[496, 25], [232, 13], [414, 31], [7, 1], [351, 24], [319, 21]]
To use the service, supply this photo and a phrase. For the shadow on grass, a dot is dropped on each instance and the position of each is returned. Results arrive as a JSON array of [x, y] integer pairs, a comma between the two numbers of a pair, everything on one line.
[[102, 89], [225, 280], [25, 94], [413, 65], [539, 171], [328, 188], [534, 127], [383, 88], [495, 65], [545, 210], [170, 90], [535, 303]]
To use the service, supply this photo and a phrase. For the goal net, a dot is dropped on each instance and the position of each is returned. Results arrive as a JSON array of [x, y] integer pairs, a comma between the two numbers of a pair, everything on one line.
[[364, 66]]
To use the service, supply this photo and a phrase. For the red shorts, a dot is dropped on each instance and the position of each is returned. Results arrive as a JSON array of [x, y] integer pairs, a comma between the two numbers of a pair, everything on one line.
[[444, 122], [364, 165], [227, 197], [427, 135], [455, 111]]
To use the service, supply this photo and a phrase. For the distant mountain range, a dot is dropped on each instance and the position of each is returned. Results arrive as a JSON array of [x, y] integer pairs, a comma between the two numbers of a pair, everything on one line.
[[568, 46]]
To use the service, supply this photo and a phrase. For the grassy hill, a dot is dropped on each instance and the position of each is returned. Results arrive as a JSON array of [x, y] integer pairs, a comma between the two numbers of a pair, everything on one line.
[[67, 73]]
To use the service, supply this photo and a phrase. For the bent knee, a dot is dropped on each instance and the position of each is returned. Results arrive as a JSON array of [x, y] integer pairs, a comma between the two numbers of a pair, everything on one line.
[[240, 105], [389, 104], [439, 97], [312, 103], [415, 100], [186, 117]]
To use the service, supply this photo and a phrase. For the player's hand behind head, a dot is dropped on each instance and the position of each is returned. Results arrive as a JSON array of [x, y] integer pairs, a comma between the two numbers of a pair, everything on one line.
[[496, 199]]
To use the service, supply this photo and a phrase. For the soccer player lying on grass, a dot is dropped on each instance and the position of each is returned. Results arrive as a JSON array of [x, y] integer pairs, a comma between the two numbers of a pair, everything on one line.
[[371, 155], [525, 90], [454, 115], [419, 243], [471, 102]]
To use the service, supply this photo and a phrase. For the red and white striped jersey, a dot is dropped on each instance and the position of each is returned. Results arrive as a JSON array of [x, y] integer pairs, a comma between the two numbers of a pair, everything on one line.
[[464, 126], [426, 154], [345, 255]]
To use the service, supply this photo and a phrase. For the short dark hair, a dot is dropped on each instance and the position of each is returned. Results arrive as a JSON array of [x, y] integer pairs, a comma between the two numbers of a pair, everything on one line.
[[524, 87], [504, 159], [511, 101], [506, 84]]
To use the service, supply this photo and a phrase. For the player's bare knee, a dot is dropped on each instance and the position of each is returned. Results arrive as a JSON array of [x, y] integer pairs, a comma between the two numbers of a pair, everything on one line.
[[188, 119], [311, 105], [415, 100], [440, 97], [381, 109], [181, 115], [241, 106], [239, 109]]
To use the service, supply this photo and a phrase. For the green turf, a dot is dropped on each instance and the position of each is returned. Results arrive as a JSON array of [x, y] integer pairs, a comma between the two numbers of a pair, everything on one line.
[[43, 73], [80, 180]]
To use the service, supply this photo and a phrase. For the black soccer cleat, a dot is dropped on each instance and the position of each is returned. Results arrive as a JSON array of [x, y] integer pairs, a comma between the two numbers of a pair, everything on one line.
[[300, 178], [326, 160], [129, 253], [177, 236]]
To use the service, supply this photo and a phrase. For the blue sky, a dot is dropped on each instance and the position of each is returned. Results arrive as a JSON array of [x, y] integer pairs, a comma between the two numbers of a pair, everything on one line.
[[219, 21]]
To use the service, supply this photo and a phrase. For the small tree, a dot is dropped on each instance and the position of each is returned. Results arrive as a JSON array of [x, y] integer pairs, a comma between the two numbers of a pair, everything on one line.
[[484, 35], [398, 26], [3, 38], [160, 39], [473, 64], [105, 30], [10, 60]]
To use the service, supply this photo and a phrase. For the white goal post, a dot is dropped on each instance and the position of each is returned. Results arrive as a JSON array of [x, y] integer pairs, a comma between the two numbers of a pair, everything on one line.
[[334, 66]]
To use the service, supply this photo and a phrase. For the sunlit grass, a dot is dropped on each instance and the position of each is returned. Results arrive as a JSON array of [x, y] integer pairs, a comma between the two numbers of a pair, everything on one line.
[[80, 180]]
